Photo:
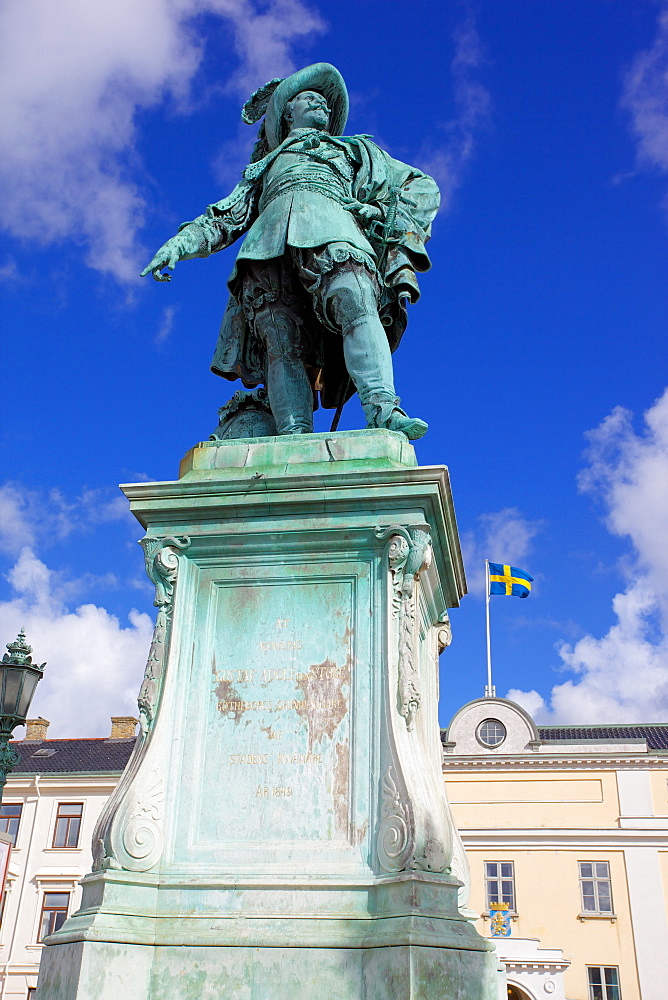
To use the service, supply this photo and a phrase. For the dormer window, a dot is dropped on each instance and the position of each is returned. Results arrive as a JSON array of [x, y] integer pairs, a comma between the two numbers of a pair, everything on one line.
[[491, 733]]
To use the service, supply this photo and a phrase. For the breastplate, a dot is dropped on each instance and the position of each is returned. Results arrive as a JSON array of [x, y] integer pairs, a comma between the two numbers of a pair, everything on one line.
[[325, 169]]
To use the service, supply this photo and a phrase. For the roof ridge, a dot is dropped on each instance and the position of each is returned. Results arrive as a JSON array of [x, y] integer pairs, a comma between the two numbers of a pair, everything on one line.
[[71, 739], [605, 725]]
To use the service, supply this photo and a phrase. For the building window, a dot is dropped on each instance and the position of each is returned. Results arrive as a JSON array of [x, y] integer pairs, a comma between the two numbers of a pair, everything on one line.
[[10, 817], [500, 883], [603, 982], [68, 824], [595, 887], [491, 733], [54, 912]]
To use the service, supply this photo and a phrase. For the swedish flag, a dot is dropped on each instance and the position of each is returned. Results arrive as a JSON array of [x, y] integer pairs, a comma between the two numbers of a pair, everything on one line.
[[508, 580]]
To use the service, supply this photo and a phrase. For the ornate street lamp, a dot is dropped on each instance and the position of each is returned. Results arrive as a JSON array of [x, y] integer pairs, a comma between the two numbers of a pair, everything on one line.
[[18, 680]]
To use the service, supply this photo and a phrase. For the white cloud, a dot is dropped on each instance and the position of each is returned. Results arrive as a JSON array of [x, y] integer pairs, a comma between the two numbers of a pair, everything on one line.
[[94, 663], [166, 325], [96, 506], [447, 161], [531, 701], [623, 676], [263, 35], [503, 536], [28, 515], [16, 524], [645, 98], [9, 271], [74, 74], [629, 472]]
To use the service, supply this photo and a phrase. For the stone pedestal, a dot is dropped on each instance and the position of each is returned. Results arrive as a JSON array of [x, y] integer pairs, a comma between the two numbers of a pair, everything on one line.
[[282, 830]]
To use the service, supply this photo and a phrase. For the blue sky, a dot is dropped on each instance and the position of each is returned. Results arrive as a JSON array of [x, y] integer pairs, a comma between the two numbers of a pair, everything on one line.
[[537, 353]]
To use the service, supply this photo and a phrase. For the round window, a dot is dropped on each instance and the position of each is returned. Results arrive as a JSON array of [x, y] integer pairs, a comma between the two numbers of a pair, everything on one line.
[[491, 732]]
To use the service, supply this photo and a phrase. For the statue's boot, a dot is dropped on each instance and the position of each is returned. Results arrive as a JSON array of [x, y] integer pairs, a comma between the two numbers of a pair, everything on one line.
[[382, 410], [288, 387], [351, 300]]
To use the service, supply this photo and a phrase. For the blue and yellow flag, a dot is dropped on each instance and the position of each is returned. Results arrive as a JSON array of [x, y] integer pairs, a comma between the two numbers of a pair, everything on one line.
[[509, 581]]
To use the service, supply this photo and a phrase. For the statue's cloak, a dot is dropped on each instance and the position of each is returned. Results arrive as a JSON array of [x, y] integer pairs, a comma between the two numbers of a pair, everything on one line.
[[408, 199]]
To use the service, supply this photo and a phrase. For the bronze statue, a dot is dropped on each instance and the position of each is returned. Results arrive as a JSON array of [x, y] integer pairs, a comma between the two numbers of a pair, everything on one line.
[[335, 230]]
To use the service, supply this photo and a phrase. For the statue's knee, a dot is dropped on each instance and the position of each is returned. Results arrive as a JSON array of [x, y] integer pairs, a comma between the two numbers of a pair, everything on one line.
[[279, 331], [349, 297]]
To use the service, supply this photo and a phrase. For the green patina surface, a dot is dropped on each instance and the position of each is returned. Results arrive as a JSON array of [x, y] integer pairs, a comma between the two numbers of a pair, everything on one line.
[[334, 232], [255, 851], [297, 455], [393, 973]]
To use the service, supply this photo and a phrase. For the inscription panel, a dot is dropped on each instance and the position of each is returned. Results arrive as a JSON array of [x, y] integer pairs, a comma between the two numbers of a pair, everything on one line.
[[278, 709]]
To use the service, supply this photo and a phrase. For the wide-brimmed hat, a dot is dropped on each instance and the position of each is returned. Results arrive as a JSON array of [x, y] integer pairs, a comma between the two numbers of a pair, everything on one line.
[[321, 77]]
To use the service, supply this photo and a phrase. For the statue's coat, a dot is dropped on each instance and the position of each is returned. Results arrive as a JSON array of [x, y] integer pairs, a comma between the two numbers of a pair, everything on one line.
[[376, 176]]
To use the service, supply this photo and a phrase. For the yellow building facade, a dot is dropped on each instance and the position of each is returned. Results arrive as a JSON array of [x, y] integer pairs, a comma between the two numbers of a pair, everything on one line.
[[569, 827]]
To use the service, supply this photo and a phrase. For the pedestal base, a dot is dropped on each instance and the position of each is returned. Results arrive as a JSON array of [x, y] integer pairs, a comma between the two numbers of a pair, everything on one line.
[[403, 972], [395, 937], [282, 830]]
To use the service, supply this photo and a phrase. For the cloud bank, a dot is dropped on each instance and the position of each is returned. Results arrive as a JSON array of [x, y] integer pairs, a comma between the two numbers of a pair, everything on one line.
[[74, 75], [95, 662], [645, 98], [623, 676]]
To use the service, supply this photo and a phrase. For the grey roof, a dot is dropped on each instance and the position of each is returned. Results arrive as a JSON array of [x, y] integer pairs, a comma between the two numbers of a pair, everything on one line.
[[656, 733], [98, 756]]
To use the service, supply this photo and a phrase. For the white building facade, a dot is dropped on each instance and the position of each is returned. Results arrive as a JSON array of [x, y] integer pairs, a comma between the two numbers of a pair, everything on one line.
[[50, 805]]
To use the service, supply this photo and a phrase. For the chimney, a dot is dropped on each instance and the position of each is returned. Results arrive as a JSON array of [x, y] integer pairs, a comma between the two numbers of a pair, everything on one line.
[[36, 729], [123, 727]]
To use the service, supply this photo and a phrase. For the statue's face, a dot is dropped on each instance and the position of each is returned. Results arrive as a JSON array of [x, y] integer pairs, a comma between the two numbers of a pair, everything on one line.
[[308, 110]]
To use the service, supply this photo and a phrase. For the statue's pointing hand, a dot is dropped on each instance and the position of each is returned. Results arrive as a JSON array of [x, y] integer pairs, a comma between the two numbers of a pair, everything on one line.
[[167, 256]]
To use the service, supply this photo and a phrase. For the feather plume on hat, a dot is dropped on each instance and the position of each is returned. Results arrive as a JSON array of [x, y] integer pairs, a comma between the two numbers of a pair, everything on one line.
[[256, 105]]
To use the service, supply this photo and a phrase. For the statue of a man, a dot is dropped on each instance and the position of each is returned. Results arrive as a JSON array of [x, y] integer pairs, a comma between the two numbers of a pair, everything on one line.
[[335, 231]]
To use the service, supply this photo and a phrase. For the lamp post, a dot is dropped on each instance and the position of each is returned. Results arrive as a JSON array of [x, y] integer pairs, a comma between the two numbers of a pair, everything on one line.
[[18, 680]]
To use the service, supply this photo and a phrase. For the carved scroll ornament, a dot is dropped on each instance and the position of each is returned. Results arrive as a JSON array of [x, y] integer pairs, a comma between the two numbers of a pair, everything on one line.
[[162, 563], [443, 633], [396, 835], [409, 552], [141, 839], [128, 833]]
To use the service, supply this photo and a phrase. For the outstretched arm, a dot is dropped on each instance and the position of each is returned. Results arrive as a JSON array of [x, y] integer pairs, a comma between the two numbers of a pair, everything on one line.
[[188, 243], [217, 228]]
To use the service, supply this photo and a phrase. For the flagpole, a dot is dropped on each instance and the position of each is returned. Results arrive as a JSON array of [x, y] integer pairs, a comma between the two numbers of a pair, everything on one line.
[[489, 690]]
